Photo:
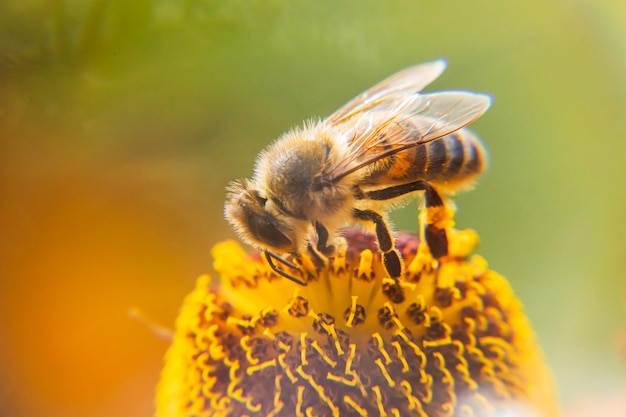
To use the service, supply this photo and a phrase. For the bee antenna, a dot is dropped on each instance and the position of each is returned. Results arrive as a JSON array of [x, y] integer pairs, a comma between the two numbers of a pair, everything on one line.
[[269, 256]]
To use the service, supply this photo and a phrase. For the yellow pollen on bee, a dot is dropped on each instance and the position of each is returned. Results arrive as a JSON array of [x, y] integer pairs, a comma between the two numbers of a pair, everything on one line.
[[462, 243], [442, 217]]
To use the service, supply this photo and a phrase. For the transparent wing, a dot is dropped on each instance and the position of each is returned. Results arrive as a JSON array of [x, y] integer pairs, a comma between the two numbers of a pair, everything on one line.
[[405, 122], [398, 86]]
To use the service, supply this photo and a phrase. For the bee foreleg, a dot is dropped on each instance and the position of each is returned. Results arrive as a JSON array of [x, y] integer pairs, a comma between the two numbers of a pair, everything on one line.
[[315, 256], [391, 256], [269, 256], [322, 240]]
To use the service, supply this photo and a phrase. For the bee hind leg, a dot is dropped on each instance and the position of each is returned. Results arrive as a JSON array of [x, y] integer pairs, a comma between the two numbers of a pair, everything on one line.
[[391, 256], [435, 236]]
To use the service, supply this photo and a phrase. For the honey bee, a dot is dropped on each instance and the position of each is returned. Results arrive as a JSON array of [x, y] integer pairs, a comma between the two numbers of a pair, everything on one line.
[[381, 148]]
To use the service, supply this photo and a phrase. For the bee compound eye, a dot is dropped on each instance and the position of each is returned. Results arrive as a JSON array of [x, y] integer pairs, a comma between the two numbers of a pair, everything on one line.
[[261, 200], [274, 238], [269, 232], [266, 229]]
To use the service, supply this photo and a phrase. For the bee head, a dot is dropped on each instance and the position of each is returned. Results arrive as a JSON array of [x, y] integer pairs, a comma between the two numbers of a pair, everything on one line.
[[256, 219]]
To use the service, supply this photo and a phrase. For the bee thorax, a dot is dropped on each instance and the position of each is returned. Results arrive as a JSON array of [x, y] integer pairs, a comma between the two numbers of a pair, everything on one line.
[[299, 182]]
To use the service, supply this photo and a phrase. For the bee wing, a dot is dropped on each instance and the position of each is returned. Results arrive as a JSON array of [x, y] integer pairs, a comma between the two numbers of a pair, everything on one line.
[[401, 84], [405, 122]]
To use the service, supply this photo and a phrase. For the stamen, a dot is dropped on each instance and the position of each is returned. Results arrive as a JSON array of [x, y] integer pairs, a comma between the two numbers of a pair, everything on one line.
[[447, 338]]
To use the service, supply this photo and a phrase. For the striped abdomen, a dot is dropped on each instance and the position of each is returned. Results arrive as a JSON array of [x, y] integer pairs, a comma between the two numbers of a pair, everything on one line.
[[449, 162]]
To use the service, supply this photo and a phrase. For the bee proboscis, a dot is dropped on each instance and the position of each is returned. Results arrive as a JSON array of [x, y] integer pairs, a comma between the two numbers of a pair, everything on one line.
[[382, 147]]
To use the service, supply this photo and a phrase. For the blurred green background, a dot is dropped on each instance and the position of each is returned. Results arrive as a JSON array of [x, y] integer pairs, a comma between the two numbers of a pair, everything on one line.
[[121, 122]]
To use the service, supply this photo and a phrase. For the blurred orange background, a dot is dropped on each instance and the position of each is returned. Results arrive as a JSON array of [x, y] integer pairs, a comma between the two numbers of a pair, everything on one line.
[[122, 122]]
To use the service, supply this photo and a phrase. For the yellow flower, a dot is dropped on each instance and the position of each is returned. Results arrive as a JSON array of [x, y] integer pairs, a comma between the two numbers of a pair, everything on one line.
[[447, 339]]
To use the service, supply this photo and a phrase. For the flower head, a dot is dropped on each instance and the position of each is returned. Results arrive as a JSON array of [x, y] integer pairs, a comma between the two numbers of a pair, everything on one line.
[[447, 339]]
